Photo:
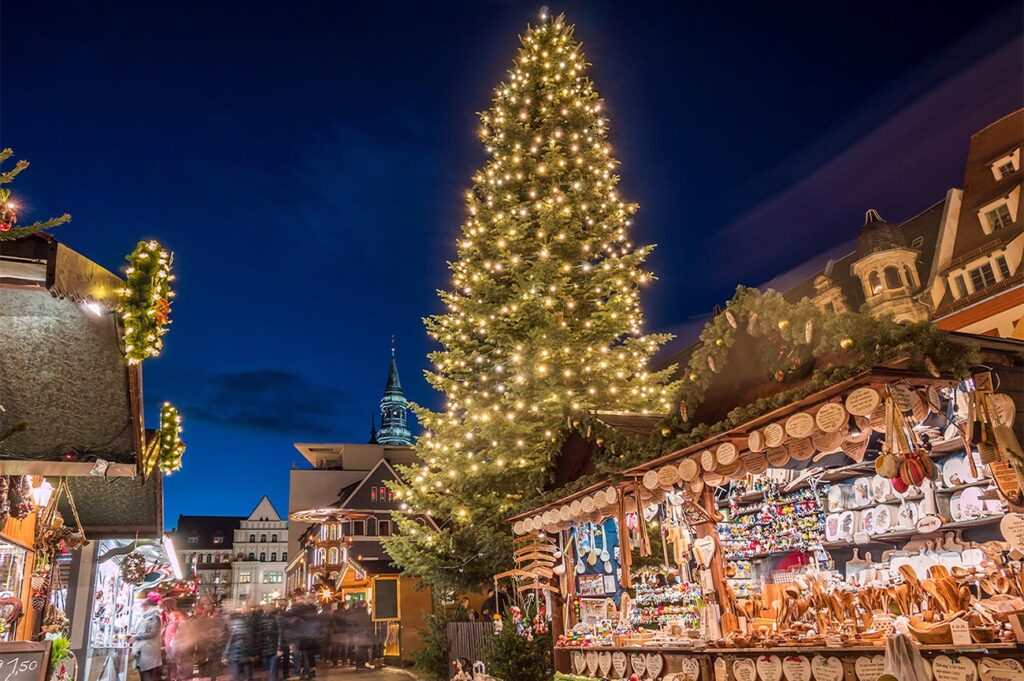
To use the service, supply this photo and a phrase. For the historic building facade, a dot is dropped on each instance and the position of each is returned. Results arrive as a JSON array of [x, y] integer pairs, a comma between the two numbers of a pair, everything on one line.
[[957, 263], [205, 548], [261, 550]]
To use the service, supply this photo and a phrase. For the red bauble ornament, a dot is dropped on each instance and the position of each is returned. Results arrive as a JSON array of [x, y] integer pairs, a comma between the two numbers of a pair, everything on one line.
[[5, 226], [899, 486]]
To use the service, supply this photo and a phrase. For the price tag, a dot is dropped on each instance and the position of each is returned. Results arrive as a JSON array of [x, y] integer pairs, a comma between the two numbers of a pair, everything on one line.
[[961, 632], [861, 537]]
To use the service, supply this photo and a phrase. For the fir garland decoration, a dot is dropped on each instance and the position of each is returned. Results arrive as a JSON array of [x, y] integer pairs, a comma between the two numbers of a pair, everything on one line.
[[133, 568], [169, 444], [20, 497], [146, 300]]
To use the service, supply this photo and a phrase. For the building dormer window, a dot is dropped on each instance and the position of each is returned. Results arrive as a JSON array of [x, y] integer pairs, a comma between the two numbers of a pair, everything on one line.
[[959, 286], [1007, 165], [1004, 269], [999, 217], [218, 538], [892, 278], [875, 282], [982, 277]]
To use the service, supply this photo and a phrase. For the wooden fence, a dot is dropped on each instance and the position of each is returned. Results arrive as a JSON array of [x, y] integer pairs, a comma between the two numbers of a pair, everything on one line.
[[468, 640]]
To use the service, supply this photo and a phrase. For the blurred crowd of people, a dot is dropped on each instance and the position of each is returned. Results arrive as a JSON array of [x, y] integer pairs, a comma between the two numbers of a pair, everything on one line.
[[239, 641]]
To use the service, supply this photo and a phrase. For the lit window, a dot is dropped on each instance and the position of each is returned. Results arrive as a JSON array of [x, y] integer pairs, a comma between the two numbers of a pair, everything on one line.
[[959, 286], [982, 277], [244, 577], [193, 539], [1005, 169], [218, 538], [1004, 269], [875, 283], [999, 217]]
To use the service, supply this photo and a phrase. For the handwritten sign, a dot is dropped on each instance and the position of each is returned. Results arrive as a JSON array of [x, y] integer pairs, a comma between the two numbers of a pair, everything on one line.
[[1012, 529], [946, 668], [961, 632], [1000, 670], [769, 668], [619, 663], [826, 668], [869, 668], [689, 670], [796, 668], [24, 661], [744, 669]]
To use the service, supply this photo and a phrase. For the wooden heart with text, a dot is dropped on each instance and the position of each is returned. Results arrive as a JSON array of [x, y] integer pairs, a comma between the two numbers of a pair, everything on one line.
[[592, 662], [655, 664], [721, 670], [957, 668], [705, 550], [826, 668], [579, 662], [1000, 670], [604, 661], [769, 667], [689, 669], [619, 663], [744, 669], [638, 663], [869, 668], [796, 668]]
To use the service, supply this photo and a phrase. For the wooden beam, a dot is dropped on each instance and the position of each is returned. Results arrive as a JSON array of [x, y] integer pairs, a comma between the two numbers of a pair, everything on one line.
[[72, 469]]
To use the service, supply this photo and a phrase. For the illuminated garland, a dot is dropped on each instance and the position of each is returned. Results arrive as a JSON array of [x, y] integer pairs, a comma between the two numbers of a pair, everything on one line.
[[169, 444], [146, 300]]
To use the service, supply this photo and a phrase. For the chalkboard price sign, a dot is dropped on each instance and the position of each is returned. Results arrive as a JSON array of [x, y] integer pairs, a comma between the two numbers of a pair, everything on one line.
[[385, 600], [24, 661]]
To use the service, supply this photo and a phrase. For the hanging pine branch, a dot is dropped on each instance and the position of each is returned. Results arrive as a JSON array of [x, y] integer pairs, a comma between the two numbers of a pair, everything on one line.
[[8, 208]]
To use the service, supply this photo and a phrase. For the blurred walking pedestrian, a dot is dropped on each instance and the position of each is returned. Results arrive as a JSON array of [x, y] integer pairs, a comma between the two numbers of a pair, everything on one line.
[[145, 640]]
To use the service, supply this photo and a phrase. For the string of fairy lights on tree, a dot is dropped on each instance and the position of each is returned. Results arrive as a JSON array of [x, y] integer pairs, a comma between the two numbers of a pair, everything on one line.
[[543, 316], [170, 446]]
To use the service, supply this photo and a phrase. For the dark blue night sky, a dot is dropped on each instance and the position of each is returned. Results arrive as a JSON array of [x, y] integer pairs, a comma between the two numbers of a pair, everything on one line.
[[306, 161]]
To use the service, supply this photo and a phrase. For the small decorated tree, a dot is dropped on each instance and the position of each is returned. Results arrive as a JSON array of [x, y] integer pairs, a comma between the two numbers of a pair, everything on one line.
[[543, 319]]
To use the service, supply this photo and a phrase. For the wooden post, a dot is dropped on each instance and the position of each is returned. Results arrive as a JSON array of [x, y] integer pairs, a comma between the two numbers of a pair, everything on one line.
[[625, 557], [716, 568]]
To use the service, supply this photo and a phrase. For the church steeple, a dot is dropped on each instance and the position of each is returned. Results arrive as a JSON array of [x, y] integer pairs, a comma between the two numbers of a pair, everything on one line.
[[393, 409]]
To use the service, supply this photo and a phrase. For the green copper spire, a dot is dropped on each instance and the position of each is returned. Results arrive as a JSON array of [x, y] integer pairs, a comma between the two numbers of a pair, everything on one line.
[[393, 409]]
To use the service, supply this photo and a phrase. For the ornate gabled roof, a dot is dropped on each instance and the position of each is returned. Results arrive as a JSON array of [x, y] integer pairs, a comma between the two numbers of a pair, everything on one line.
[[878, 235]]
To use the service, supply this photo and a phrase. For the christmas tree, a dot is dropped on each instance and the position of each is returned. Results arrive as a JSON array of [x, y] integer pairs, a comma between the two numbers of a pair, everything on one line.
[[543, 317], [8, 209]]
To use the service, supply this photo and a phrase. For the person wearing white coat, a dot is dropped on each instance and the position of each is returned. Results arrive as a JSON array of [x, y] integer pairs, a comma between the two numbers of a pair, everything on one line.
[[145, 640]]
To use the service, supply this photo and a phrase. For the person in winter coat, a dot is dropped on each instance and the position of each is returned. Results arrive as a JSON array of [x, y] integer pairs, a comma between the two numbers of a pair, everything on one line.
[[362, 634], [240, 649], [172, 618], [146, 639], [302, 633], [341, 633], [271, 642]]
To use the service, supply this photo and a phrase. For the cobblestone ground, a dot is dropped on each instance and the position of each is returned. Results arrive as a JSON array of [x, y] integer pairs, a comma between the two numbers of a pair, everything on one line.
[[349, 674]]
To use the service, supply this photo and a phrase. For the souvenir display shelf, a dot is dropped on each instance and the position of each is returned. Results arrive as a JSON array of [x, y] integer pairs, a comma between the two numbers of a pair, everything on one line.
[[939, 573]]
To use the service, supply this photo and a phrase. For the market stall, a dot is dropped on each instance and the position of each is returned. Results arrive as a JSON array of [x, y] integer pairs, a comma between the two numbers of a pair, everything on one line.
[[861, 525]]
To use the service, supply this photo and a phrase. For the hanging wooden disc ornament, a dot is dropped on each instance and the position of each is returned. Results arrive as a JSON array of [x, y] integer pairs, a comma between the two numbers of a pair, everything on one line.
[[600, 501], [650, 480], [688, 469], [778, 456], [707, 460], [611, 495], [726, 454], [801, 449], [133, 568], [862, 401], [826, 443], [774, 435], [563, 514], [668, 476], [903, 396], [575, 508], [800, 424], [713, 479], [831, 418], [517, 527], [732, 471], [587, 505], [695, 486], [755, 441], [756, 463]]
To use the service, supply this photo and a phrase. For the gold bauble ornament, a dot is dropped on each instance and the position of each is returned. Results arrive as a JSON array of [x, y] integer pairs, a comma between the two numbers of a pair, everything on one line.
[[600, 442], [666, 431], [846, 343], [783, 324], [719, 342], [693, 376]]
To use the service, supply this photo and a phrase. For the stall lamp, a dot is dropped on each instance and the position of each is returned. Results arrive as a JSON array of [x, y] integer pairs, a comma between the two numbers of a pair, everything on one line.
[[41, 493], [93, 307]]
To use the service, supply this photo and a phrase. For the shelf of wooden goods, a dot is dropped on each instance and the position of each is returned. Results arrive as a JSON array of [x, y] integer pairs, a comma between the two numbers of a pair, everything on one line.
[[907, 534], [846, 648]]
